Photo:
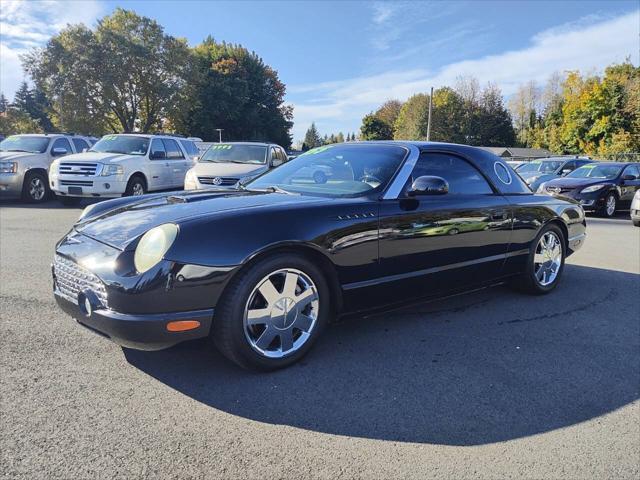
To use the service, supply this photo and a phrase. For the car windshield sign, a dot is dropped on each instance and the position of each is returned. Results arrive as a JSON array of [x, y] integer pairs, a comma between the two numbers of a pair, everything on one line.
[[125, 144], [596, 171], [23, 143], [235, 153], [335, 171]]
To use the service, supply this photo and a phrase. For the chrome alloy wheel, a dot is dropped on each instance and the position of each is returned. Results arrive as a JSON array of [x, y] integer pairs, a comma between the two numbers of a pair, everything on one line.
[[611, 205], [137, 189], [548, 258], [281, 313], [37, 189]]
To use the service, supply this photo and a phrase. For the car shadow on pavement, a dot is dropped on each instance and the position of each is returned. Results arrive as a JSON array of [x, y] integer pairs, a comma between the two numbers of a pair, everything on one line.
[[485, 367]]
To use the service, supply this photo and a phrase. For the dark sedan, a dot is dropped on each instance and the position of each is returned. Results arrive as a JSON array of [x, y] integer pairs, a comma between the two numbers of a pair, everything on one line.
[[261, 270], [599, 187], [536, 172]]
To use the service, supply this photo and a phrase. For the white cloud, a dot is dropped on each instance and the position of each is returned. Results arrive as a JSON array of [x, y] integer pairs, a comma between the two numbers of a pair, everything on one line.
[[586, 45], [27, 24]]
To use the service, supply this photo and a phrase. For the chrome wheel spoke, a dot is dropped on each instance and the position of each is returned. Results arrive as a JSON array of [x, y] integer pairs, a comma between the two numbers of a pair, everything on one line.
[[547, 259], [265, 339], [269, 292], [290, 284], [538, 258], [286, 340], [260, 316], [305, 298], [303, 322]]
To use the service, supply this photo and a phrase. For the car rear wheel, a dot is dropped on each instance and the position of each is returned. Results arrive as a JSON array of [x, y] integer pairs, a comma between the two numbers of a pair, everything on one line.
[[136, 186], [545, 262], [610, 206], [35, 188], [272, 313]]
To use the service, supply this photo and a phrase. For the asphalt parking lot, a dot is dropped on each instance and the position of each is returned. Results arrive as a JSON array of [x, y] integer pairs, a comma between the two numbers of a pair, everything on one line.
[[492, 384]]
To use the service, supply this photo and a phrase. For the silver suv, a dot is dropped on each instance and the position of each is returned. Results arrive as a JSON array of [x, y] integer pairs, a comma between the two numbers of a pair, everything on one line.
[[25, 161]]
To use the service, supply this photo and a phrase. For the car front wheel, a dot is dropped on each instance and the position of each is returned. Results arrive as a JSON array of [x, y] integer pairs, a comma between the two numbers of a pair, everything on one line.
[[545, 262], [35, 188], [136, 186], [610, 206], [272, 313]]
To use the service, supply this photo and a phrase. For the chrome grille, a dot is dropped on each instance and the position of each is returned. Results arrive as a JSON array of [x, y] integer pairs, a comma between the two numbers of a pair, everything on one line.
[[87, 169], [71, 279], [218, 181], [76, 183]]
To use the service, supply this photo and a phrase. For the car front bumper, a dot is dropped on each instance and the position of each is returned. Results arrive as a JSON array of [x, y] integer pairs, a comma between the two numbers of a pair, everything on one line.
[[11, 184], [89, 187], [142, 332], [589, 201]]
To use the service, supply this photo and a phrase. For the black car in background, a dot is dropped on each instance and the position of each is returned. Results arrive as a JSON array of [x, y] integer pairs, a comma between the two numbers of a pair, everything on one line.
[[599, 187], [262, 269], [536, 172]]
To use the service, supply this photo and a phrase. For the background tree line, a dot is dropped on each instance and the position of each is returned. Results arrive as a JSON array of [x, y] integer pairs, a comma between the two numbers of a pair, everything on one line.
[[312, 138], [572, 114], [127, 75]]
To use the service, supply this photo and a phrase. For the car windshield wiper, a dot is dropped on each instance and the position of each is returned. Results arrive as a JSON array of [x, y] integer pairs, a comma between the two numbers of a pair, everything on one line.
[[19, 150], [270, 189]]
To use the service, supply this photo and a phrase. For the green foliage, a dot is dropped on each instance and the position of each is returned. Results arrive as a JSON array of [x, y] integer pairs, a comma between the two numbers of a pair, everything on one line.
[[127, 75], [312, 138], [373, 128], [14, 121], [411, 123], [233, 89], [4, 103]]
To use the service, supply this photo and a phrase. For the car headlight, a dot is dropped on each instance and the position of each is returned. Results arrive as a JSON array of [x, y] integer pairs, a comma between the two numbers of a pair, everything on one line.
[[153, 245], [109, 169], [8, 167], [592, 188], [190, 180]]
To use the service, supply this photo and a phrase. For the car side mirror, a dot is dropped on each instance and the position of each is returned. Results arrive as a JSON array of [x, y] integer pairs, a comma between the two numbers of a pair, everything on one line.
[[276, 162], [566, 171], [158, 155], [428, 185], [196, 158], [85, 150], [56, 152], [629, 177]]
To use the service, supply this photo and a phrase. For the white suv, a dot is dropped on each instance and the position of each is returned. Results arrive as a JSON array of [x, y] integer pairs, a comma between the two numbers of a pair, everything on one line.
[[25, 161], [120, 165]]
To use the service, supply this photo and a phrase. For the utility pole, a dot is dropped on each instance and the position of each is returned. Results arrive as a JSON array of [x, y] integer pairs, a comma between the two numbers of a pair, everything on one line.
[[429, 118], [219, 130]]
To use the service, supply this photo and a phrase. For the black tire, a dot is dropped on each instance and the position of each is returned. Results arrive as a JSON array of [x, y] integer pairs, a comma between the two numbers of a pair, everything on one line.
[[69, 201], [35, 187], [602, 211], [136, 184], [636, 223], [228, 330], [527, 282]]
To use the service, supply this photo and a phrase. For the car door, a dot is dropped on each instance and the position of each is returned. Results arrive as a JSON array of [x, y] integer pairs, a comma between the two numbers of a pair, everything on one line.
[[160, 171], [629, 187], [179, 164], [435, 243]]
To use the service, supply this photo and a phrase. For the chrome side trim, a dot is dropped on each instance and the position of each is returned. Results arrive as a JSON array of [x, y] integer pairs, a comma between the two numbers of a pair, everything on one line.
[[394, 190]]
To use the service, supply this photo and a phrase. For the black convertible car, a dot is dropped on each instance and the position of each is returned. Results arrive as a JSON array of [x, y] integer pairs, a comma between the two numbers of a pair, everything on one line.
[[262, 269]]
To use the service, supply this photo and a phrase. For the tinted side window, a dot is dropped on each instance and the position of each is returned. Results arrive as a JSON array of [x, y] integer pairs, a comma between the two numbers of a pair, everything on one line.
[[173, 150], [463, 178], [190, 147], [79, 144], [569, 166], [157, 146], [62, 143], [632, 170]]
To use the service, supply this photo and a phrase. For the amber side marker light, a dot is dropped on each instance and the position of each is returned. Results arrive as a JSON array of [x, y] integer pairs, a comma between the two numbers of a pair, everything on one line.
[[182, 325]]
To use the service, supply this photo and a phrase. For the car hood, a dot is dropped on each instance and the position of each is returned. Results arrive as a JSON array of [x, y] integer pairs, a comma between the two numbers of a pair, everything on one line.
[[122, 225], [99, 157], [567, 182], [237, 170], [13, 156]]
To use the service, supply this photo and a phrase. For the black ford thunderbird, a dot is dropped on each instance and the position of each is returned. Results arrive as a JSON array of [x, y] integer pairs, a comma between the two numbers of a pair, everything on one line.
[[261, 269]]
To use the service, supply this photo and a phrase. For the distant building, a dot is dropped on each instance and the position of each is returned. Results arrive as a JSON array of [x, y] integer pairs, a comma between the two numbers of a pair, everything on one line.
[[515, 153]]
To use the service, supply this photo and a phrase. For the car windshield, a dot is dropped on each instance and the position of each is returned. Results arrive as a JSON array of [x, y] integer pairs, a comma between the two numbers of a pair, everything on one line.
[[235, 153], [335, 171], [548, 166], [126, 144], [24, 143], [596, 171]]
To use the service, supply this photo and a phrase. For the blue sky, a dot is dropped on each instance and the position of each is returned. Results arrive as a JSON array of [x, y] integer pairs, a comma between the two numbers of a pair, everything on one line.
[[340, 60]]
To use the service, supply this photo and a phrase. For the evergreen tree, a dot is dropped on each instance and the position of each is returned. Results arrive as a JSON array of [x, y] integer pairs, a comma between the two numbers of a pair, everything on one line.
[[23, 99], [340, 138], [4, 103], [312, 137]]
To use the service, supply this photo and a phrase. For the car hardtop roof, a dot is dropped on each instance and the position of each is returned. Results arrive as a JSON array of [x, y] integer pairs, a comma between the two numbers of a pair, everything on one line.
[[262, 144], [48, 135]]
